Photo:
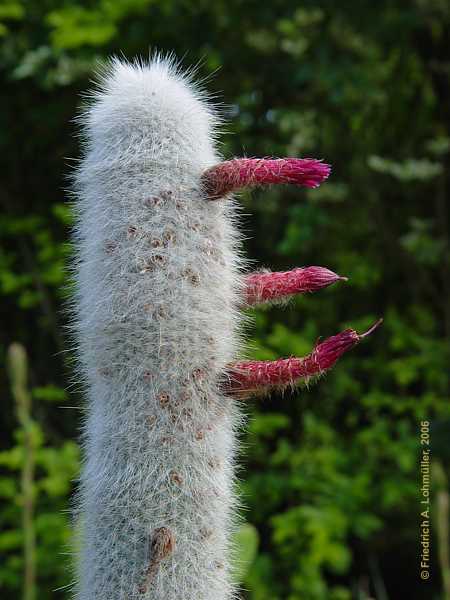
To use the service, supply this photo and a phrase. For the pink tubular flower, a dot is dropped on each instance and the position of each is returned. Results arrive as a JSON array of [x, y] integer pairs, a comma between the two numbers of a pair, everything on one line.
[[266, 286], [249, 377], [231, 175]]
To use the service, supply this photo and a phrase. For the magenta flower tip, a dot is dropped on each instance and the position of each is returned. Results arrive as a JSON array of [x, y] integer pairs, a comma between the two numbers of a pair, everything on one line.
[[321, 276]]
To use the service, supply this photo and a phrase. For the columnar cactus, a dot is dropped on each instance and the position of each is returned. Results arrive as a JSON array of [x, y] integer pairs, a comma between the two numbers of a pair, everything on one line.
[[160, 287]]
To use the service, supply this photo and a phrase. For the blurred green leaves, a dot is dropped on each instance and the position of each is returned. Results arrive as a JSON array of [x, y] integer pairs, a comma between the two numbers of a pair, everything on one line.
[[57, 467], [426, 248], [74, 26], [246, 540], [408, 170], [9, 11]]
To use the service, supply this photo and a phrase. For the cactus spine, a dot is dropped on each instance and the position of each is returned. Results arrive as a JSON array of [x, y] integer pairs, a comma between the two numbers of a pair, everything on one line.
[[157, 281]]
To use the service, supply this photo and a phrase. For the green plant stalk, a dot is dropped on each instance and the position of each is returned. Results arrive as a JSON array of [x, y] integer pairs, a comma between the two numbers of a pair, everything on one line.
[[17, 362]]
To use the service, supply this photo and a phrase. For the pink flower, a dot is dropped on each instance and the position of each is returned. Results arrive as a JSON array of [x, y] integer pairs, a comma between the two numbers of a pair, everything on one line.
[[267, 286], [231, 175], [249, 377]]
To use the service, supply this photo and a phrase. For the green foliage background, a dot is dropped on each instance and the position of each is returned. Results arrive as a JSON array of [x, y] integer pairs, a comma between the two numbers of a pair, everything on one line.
[[330, 476]]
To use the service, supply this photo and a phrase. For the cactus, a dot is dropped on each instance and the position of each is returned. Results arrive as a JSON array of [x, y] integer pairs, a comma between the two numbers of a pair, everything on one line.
[[160, 288]]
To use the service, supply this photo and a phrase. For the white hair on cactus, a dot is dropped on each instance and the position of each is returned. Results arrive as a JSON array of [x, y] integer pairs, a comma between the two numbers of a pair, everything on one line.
[[158, 286]]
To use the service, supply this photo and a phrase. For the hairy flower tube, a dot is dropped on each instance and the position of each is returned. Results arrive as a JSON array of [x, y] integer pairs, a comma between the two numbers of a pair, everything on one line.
[[269, 287], [250, 377], [232, 175]]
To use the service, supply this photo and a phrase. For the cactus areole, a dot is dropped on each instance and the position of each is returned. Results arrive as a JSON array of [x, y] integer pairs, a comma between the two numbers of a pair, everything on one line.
[[160, 289]]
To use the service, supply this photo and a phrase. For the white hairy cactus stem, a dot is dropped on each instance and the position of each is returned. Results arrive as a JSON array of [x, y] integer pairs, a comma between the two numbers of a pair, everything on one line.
[[156, 323], [159, 288]]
